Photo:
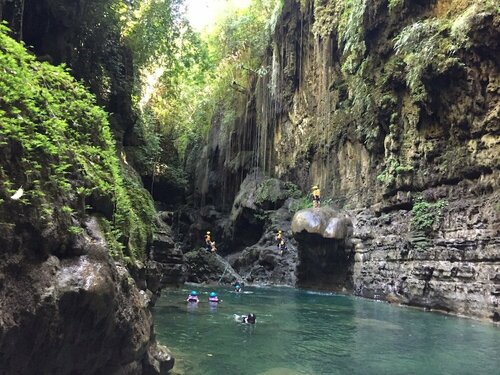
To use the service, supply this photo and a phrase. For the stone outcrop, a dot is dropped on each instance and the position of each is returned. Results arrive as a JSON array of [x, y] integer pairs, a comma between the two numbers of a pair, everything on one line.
[[325, 222], [262, 263], [324, 249], [78, 313], [204, 267], [165, 265]]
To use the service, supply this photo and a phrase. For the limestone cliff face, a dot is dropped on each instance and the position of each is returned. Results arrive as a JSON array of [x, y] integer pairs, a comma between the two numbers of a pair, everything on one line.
[[392, 107]]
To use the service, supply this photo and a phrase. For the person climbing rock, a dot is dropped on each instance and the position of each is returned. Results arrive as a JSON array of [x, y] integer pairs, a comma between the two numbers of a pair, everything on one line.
[[316, 195], [279, 237], [282, 246], [281, 242], [208, 241], [193, 297], [213, 298], [213, 248]]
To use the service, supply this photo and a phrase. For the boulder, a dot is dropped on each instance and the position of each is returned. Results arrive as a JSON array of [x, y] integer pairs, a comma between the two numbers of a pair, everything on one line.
[[325, 221]]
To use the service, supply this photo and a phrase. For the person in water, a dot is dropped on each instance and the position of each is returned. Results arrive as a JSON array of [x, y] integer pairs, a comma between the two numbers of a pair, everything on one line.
[[208, 241], [316, 196], [193, 297], [248, 319], [238, 287], [212, 297]]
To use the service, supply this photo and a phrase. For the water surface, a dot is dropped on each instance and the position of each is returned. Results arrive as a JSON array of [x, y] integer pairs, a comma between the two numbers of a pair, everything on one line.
[[300, 332]]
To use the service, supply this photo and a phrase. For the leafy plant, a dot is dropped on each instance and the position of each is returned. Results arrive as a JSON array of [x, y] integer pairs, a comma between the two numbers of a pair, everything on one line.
[[426, 214]]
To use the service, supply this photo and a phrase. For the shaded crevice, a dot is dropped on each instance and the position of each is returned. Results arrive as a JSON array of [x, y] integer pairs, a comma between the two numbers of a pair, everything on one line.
[[323, 263], [247, 231]]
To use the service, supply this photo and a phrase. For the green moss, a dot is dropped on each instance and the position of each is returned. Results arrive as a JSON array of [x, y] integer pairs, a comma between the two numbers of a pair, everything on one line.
[[62, 150], [422, 45], [426, 214], [395, 4], [273, 190], [300, 204]]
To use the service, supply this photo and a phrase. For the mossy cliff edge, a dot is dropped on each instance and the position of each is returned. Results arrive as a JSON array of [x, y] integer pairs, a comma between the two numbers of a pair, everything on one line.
[[68, 206], [392, 107]]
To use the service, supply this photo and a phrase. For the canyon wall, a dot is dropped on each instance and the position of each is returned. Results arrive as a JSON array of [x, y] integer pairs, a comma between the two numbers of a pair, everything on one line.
[[392, 108]]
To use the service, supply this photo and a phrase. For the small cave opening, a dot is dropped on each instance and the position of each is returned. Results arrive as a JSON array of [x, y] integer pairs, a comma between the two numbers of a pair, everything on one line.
[[324, 263], [248, 230]]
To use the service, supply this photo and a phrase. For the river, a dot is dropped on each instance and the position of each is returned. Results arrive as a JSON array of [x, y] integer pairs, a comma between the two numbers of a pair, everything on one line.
[[315, 333]]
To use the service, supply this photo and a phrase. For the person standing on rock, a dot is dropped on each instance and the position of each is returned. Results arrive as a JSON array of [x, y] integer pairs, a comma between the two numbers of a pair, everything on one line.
[[316, 195]]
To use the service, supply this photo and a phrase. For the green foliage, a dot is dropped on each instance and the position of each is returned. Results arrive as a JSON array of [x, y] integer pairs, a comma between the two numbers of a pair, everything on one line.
[[61, 144], [395, 4], [391, 170], [421, 45], [426, 214], [300, 204], [273, 190]]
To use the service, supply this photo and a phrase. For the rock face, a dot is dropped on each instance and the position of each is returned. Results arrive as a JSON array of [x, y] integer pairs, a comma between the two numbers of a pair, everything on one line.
[[455, 270], [166, 260], [262, 263], [324, 250], [205, 267], [74, 314], [393, 109]]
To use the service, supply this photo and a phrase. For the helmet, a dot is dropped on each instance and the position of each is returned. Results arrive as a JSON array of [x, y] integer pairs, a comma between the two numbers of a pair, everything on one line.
[[213, 294], [194, 293], [279, 231], [315, 187], [208, 232]]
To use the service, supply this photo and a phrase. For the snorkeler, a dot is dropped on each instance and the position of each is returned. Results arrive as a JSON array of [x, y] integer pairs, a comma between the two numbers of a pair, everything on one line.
[[213, 297], [193, 297], [248, 319]]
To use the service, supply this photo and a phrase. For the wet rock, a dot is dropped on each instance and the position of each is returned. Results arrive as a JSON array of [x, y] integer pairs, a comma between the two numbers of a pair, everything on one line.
[[81, 314], [205, 267], [165, 265]]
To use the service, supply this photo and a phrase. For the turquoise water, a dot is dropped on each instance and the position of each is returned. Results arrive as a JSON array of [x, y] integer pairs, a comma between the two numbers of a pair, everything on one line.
[[300, 332]]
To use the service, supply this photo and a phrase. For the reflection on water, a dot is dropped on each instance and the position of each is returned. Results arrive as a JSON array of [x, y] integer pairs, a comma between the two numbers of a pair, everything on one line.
[[311, 333]]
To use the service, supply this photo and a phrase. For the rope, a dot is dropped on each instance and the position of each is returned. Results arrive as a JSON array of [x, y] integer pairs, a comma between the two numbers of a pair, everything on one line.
[[225, 269]]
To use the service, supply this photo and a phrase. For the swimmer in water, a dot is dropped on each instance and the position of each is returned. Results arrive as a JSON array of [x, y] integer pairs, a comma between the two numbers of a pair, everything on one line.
[[238, 287], [193, 297], [247, 319], [213, 298]]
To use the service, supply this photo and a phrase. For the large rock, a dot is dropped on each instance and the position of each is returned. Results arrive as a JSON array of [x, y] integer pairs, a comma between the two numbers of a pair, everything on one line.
[[205, 267], [324, 221], [166, 260], [80, 314]]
